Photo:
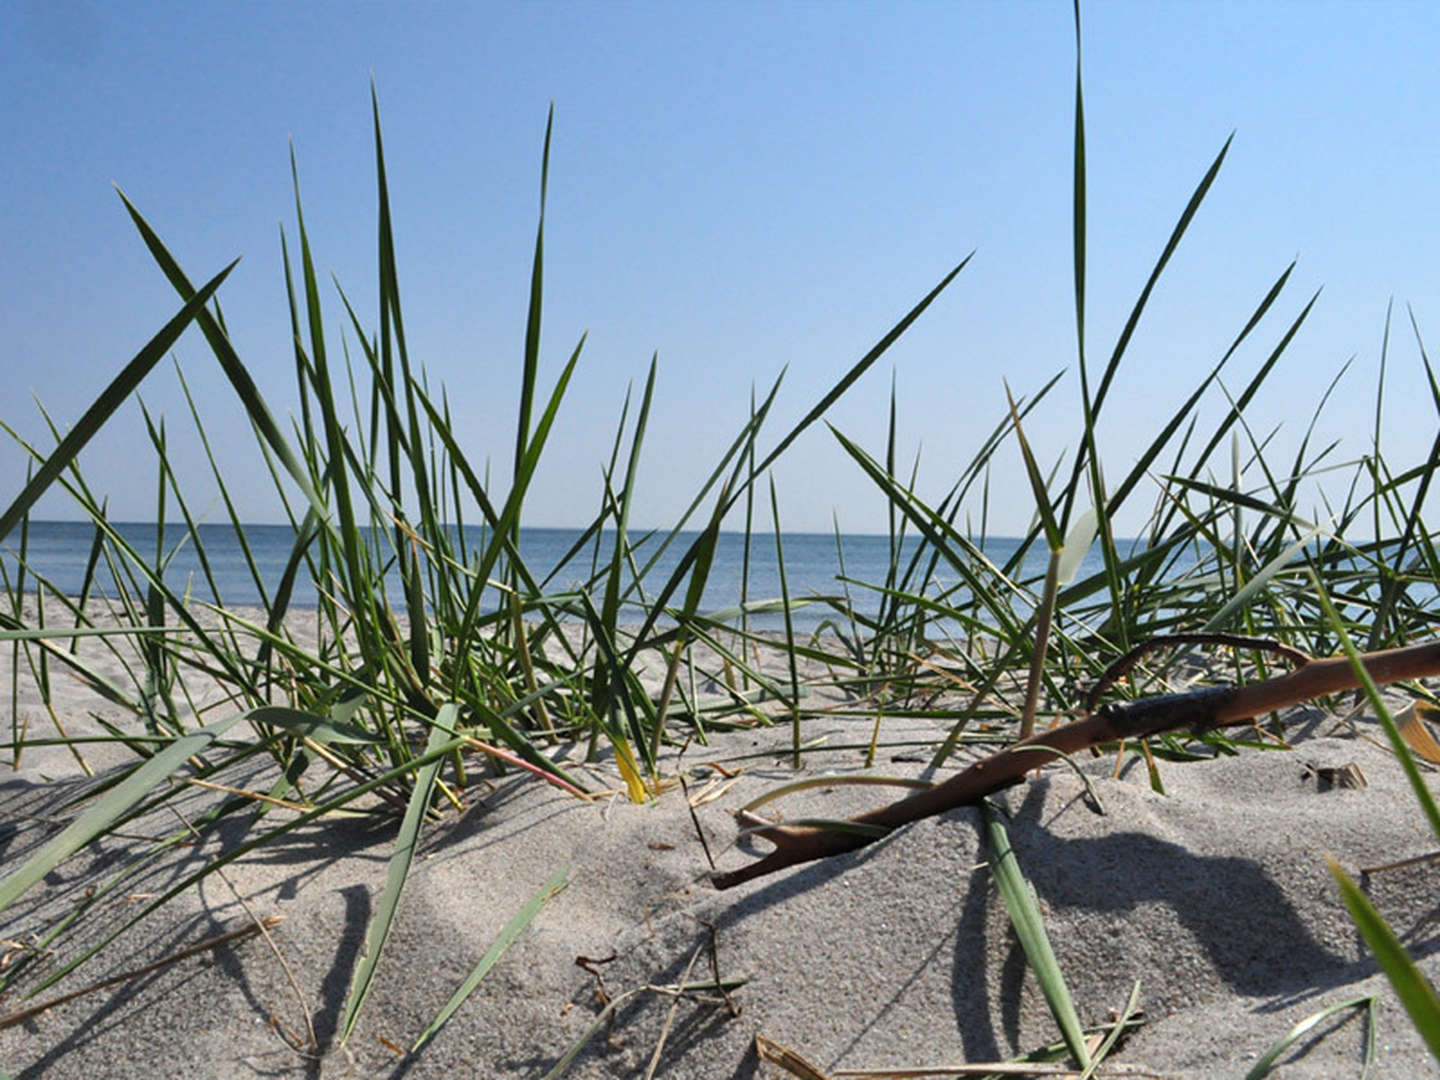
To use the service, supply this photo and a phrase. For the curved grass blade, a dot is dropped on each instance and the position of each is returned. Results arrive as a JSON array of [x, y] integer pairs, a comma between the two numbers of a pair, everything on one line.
[[1268, 1059], [1030, 929], [512, 930], [863, 780], [441, 731]]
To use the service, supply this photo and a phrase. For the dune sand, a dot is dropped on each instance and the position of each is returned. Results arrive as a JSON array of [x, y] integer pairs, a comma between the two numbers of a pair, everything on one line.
[[1214, 896]]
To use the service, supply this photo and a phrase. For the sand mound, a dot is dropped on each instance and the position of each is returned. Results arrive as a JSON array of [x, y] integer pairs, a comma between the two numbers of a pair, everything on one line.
[[1215, 896]]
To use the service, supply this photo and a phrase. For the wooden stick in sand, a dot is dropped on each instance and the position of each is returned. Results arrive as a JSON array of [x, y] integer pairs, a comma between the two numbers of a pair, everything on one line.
[[1199, 710]]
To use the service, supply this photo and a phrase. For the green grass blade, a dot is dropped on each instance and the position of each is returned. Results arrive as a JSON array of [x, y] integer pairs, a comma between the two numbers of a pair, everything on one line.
[[704, 559], [1038, 489], [242, 849], [100, 817], [861, 366], [104, 406], [1392, 732], [512, 930], [230, 362], [441, 731], [796, 759], [1186, 216], [1267, 1060], [1030, 929], [531, 368], [1413, 989], [1142, 465]]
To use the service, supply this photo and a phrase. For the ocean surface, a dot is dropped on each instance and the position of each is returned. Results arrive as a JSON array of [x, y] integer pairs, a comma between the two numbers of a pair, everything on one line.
[[59, 552]]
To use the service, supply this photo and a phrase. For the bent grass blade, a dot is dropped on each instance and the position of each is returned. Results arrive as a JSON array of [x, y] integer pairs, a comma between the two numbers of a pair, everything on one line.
[[123, 796]]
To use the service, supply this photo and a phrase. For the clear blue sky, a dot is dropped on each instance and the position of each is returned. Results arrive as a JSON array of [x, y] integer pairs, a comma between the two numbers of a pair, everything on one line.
[[740, 186]]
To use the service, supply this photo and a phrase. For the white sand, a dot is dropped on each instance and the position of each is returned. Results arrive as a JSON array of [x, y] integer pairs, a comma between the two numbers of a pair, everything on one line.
[[1216, 897]]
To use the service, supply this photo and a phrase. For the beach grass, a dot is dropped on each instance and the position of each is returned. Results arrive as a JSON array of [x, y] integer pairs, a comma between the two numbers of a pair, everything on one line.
[[478, 665]]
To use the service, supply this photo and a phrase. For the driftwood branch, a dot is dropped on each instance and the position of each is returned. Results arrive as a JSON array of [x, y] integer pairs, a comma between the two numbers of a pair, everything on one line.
[[1200, 711]]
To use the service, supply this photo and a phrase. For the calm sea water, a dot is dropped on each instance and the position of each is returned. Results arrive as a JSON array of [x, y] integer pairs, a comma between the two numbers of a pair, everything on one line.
[[59, 552]]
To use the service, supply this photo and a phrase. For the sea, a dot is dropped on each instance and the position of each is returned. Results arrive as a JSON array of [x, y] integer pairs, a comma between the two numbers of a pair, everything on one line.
[[59, 551]]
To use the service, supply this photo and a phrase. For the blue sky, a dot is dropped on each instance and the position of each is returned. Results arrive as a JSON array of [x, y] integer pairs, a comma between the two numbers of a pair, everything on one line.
[[742, 187]]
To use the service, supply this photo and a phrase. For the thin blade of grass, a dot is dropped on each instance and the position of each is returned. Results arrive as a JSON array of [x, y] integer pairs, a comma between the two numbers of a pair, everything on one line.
[[104, 406], [861, 366], [1030, 929], [441, 731], [1267, 1060], [512, 930], [796, 760], [1413, 989]]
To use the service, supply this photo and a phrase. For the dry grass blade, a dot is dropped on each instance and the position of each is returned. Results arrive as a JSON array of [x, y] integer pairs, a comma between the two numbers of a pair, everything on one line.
[[779, 1054], [670, 1016], [619, 1001], [249, 930], [1414, 730]]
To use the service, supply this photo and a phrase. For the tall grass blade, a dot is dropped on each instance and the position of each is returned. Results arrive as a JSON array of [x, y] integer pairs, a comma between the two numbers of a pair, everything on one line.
[[1392, 731], [441, 731], [104, 406], [1411, 987], [1030, 929], [705, 557], [224, 351]]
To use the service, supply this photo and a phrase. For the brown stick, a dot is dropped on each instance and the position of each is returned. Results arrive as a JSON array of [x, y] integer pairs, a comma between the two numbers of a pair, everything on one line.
[[21, 1015], [1199, 710]]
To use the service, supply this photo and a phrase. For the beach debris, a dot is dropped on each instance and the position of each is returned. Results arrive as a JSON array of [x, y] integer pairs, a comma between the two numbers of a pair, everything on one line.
[[1201, 710], [1416, 732], [1330, 777], [779, 1054], [249, 930]]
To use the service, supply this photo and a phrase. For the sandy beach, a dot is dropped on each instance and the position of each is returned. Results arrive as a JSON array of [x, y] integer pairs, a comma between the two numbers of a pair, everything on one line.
[[1214, 896]]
